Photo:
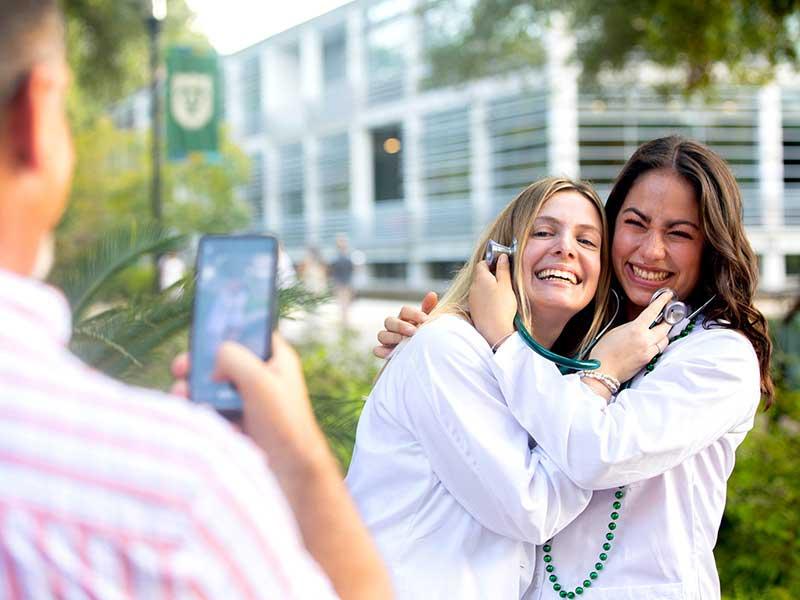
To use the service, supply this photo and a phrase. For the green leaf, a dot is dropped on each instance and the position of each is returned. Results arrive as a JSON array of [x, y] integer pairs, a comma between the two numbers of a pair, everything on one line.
[[84, 279]]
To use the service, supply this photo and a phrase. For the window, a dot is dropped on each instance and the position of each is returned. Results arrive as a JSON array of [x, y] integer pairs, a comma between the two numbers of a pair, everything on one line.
[[387, 32], [791, 137], [446, 155], [387, 159], [518, 137], [613, 123], [334, 57], [388, 270], [334, 172], [255, 188], [291, 179], [792, 264], [444, 270], [251, 94]]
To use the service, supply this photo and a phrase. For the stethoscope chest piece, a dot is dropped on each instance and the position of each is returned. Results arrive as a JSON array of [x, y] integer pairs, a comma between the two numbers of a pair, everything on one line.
[[673, 312], [495, 249]]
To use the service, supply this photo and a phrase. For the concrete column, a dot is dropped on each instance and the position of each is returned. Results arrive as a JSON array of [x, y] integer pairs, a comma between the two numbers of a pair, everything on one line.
[[562, 121], [480, 164], [412, 184], [313, 205], [356, 55], [270, 80], [311, 65], [770, 153], [362, 206]]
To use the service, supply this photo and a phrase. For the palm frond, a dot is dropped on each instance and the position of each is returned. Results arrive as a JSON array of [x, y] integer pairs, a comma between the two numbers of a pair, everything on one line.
[[84, 279], [298, 299], [124, 338]]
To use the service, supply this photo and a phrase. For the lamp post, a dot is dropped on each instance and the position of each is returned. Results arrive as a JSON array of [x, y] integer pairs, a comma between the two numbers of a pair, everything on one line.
[[156, 12]]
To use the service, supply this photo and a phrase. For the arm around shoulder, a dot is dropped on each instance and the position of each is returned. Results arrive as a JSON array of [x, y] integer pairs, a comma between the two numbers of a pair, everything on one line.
[[474, 444], [704, 386]]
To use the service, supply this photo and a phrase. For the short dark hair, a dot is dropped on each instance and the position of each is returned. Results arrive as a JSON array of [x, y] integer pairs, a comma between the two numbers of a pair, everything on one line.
[[30, 31]]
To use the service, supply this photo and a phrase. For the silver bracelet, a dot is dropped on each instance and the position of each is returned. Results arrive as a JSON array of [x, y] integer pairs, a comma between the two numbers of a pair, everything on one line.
[[612, 383], [499, 343]]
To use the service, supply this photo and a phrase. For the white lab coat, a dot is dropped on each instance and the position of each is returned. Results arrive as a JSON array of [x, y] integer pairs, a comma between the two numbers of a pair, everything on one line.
[[671, 438], [444, 477]]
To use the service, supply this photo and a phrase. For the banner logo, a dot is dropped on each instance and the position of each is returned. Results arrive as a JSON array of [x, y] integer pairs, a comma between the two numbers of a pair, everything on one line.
[[192, 99]]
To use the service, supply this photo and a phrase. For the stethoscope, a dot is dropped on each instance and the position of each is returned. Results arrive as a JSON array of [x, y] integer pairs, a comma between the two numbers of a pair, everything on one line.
[[673, 313]]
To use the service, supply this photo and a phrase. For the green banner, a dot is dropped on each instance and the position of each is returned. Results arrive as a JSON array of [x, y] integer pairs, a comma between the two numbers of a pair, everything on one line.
[[194, 102]]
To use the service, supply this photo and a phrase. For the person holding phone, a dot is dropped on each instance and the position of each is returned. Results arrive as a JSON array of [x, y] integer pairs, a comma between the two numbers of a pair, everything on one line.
[[669, 438], [445, 478], [110, 491]]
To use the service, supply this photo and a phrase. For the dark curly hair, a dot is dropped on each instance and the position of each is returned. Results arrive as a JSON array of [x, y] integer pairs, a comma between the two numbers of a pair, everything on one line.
[[728, 262]]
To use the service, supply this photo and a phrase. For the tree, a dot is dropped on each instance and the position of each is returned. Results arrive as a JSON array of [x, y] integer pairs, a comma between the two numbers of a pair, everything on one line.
[[107, 48], [111, 182], [744, 40]]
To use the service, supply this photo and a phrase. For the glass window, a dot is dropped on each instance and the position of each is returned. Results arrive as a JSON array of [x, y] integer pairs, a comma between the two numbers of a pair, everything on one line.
[[446, 155], [790, 98], [792, 264], [251, 94], [334, 56], [387, 157], [387, 33], [444, 270], [255, 187], [334, 172], [613, 123], [518, 141], [291, 179], [388, 270]]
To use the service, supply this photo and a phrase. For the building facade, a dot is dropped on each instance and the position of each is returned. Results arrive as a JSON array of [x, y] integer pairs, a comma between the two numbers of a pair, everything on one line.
[[348, 133]]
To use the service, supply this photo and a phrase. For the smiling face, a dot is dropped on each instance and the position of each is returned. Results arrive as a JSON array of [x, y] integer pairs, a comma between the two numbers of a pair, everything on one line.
[[561, 259], [658, 241]]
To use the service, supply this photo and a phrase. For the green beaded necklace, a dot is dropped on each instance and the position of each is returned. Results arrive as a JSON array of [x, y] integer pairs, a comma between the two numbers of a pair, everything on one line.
[[686, 331], [616, 506]]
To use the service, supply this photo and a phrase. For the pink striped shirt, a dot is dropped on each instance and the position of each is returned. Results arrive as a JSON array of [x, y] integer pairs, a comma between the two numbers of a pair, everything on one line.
[[109, 491]]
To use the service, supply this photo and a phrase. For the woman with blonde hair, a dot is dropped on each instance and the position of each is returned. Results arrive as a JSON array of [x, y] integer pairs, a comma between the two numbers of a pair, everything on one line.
[[661, 453], [452, 488]]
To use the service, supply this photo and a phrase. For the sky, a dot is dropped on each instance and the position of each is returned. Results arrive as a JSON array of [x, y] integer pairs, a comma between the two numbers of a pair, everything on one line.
[[235, 24]]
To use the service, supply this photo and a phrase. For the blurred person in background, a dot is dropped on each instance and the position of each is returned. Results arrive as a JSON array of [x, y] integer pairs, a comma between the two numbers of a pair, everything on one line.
[[341, 272], [312, 271], [108, 491], [660, 454]]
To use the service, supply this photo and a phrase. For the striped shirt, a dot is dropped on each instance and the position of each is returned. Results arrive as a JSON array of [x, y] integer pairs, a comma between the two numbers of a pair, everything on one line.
[[109, 491]]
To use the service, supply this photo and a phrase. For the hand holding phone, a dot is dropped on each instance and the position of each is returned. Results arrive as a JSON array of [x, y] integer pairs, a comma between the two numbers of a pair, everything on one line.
[[234, 301]]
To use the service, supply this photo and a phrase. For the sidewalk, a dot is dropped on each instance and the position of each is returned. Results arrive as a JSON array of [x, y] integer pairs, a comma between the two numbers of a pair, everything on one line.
[[366, 319]]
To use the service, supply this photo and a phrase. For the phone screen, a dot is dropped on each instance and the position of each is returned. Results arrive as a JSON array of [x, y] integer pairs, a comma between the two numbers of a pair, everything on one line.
[[234, 300]]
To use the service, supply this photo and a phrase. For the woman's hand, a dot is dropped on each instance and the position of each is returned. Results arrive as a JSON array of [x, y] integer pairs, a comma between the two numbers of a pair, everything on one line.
[[624, 350], [492, 303], [404, 325]]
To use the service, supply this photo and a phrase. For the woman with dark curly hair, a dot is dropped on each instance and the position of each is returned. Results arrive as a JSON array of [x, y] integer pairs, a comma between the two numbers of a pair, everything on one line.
[[657, 456]]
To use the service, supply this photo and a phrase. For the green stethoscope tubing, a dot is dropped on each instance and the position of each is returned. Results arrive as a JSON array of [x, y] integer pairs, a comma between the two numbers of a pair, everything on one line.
[[564, 363]]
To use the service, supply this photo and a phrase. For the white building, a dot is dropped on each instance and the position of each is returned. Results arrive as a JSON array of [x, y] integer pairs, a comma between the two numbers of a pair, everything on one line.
[[347, 135]]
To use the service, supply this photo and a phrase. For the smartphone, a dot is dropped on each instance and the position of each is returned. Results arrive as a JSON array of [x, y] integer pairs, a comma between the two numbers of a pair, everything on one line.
[[235, 299]]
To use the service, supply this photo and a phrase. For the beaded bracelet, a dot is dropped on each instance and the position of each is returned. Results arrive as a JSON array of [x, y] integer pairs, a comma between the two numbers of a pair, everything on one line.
[[612, 383]]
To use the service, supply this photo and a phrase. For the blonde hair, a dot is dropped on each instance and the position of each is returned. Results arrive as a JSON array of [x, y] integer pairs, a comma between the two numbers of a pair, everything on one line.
[[516, 221]]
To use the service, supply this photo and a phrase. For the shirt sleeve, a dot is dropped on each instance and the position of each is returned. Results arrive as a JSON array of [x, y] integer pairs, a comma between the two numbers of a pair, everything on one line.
[[476, 447], [704, 386]]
